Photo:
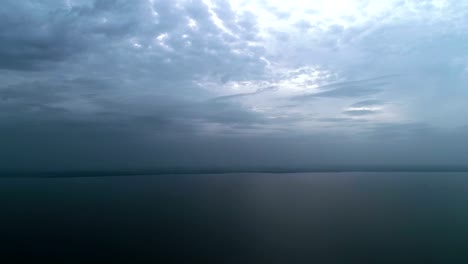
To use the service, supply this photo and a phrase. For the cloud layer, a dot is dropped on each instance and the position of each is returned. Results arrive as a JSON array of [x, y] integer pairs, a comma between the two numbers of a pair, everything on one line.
[[150, 83]]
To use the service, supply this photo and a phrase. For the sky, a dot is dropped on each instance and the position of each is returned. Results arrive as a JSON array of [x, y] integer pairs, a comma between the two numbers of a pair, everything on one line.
[[115, 84]]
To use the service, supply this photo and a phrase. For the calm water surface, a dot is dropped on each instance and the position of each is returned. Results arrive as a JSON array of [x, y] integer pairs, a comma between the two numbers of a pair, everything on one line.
[[239, 218]]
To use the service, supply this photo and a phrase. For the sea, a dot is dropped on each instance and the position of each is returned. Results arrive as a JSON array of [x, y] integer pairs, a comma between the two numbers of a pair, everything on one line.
[[346, 217]]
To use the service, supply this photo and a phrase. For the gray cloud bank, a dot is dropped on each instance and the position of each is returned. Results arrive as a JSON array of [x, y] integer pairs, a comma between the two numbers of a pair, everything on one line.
[[113, 84]]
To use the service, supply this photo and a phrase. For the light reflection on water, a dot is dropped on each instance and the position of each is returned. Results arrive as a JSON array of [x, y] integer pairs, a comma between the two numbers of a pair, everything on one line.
[[241, 218]]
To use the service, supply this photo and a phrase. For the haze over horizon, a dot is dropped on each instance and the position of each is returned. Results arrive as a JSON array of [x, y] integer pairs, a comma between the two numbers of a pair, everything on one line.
[[93, 84]]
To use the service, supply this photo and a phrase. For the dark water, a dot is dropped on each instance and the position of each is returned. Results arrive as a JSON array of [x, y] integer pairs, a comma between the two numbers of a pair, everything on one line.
[[238, 218]]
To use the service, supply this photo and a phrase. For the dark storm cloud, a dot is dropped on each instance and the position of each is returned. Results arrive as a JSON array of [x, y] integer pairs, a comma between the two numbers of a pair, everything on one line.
[[52, 99], [31, 33], [53, 33], [34, 33], [101, 32]]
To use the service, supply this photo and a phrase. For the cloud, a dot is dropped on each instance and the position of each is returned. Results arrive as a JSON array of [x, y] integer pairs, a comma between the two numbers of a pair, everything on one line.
[[240, 95], [349, 91], [24, 43], [231, 77], [367, 103], [335, 119], [358, 88], [360, 112]]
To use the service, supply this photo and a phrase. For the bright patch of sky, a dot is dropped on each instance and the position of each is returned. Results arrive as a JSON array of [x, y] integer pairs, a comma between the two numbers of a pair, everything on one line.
[[310, 44]]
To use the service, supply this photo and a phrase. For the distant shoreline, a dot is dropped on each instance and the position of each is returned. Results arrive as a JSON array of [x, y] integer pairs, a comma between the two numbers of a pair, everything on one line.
[[329, 169]]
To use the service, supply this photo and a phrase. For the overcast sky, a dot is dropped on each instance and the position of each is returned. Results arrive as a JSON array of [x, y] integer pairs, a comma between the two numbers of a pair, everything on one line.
[[204, 83]]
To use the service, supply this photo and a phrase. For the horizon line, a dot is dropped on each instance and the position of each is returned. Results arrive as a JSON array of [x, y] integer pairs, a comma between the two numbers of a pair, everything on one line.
[[74, 173]]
